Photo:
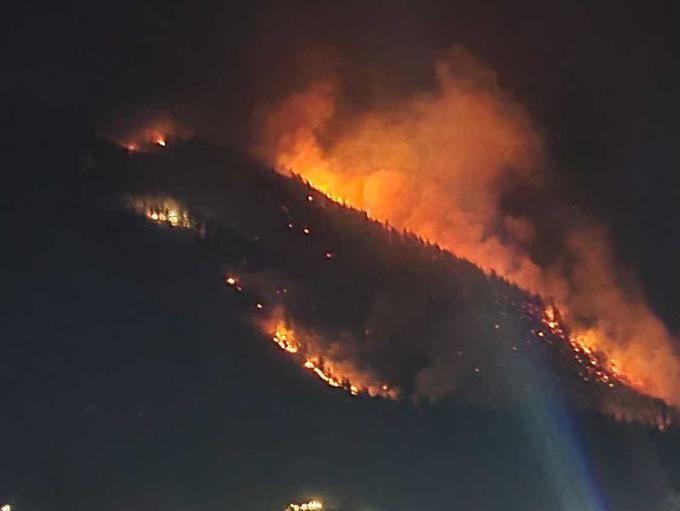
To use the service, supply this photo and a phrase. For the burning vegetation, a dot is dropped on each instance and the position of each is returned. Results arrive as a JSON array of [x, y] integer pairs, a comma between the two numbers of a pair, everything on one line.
[[461, 167], [148, 135], [164, 211], [370, 310], [312, 355], [145, 141]]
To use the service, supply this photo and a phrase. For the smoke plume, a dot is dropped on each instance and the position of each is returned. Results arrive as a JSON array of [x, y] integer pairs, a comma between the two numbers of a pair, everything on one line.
[[463, 166]]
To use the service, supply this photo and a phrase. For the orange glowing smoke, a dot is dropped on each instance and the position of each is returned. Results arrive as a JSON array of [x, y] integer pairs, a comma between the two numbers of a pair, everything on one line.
[[435, 164], [325, 360]]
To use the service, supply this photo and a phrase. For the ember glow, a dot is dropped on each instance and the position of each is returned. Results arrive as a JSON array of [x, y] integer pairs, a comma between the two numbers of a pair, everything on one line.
[[437, 164]]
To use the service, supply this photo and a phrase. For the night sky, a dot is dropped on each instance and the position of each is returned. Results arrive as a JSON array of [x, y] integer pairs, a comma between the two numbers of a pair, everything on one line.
[[128, 379]]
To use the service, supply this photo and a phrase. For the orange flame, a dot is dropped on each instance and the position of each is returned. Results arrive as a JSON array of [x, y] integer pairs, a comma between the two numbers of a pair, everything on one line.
[[312, 356], [596, 367], [164, 210], [153, 133], [160, 140], [434, 164]]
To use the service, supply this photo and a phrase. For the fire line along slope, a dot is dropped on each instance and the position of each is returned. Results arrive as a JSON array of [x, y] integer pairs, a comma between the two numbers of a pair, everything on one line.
[[359, 305]]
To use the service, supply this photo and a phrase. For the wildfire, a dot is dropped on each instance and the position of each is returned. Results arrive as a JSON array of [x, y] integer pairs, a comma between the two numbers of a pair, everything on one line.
[[312, 505], [165, 211], [145, 141], [301, 345], [335, 374], [132, 147], [171, 216], [339, 368], [285, 339], [153, 134], [437, 164], [595, 366]]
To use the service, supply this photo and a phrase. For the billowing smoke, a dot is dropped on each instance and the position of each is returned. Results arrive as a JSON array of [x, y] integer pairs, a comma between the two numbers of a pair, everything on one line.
[[463, 166]]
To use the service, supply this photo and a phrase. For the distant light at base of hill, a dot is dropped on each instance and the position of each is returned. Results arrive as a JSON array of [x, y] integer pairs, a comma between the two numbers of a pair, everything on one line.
[[312, 505]]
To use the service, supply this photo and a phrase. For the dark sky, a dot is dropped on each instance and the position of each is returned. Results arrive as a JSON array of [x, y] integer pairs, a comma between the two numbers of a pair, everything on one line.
[[599, 79], [126, 384]]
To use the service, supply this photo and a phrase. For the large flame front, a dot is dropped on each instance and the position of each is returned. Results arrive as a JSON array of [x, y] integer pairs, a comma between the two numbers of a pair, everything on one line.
[[438, 164]]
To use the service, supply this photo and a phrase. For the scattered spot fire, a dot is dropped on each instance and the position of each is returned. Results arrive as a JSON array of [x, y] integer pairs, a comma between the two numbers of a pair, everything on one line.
[[148, 134], [298, 343], [301, 345], [160, 140], [234, 282], [145, 140]]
